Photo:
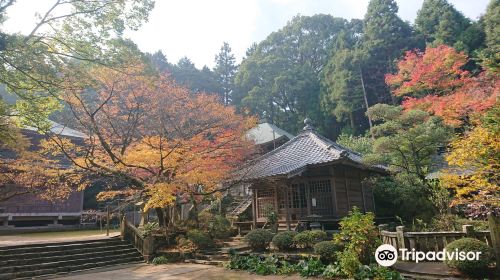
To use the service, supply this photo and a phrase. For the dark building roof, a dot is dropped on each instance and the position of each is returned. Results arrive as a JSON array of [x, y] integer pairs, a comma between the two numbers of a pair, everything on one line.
[[295, 156], [266, 132]]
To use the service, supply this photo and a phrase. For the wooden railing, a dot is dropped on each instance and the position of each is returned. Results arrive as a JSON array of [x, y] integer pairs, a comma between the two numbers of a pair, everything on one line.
[[429, 241], [145, 245]]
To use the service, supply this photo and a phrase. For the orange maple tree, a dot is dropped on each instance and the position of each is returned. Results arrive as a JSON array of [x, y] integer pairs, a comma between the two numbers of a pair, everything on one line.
[[435, 81], [150, 137]]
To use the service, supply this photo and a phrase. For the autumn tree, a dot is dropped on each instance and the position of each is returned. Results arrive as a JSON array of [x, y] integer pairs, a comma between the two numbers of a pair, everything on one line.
[[150, 137], [477, 157], [435, 81]]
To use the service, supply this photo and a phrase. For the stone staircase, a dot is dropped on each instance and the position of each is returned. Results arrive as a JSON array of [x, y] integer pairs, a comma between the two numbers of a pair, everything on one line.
[[217, 256], [50, 259], [282, 226]]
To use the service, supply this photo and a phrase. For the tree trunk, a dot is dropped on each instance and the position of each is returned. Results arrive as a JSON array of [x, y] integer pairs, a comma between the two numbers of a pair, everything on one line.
[[366, 102], [161, 217]]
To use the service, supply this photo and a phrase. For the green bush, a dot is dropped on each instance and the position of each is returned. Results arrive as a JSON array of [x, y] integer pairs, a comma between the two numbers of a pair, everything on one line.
[[284, 240], [473, 268], [377, 272], [285, 268], [217, 226], [359, 235], [311, 267], [160, 260], [149, 229], [266, 267], [259, 239], [307, 238], [200, 239], [326, 250], [349, 262], [332, 271]]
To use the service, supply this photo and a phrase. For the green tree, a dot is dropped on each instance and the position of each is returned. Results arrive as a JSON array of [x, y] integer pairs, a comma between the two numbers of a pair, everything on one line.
[[440, 22], [281, 75], [35, 66], [491, 56], [224, 70], [406, 141], [385, 38]]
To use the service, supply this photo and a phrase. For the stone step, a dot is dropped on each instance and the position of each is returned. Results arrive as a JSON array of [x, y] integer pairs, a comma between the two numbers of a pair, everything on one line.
[[53, 272], [62, 251], [63, 263], [37, 260], [29, 248], [67, 255]]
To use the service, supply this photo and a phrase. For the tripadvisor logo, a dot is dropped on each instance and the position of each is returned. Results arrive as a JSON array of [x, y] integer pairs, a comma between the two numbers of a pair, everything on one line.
[[387, 255]]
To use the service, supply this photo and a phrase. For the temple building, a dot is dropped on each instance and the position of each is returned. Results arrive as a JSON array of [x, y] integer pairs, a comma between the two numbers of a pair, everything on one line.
[[309, 178]]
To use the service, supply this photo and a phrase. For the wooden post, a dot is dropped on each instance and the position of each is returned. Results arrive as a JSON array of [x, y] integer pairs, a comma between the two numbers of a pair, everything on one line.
[[468, 230], [494, 225], [148, 248], [122, 227], [400, 236], [254, 208], [108, 214], [287, 211]]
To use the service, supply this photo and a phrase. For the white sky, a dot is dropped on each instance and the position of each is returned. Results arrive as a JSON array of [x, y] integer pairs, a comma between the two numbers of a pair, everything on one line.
[[197, 28]]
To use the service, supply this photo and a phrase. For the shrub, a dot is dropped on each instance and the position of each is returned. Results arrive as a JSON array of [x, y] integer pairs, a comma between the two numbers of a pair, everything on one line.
[[332, 271], [473, 268], [242, 262], [268, 266], [307, 238], [377, 273], [200, 239], [349, 262], [150, 228], [359, 235], [311, 267], [285, 268], [160, 260], [217, 226], [284, 240], [326, 250], [259, 239]]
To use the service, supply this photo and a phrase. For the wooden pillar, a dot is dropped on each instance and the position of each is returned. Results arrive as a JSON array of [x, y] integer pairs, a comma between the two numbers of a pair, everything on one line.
[[400, 237], [334, 192], [287, 210], [254, 208], [347, 189], [276, 206], [308, 200]]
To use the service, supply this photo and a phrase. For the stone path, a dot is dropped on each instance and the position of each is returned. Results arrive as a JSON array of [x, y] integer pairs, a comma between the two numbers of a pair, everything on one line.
[[171, 272]]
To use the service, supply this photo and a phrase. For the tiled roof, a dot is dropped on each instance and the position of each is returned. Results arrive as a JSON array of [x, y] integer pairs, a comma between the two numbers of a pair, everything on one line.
[[306, 149], [263, 133]]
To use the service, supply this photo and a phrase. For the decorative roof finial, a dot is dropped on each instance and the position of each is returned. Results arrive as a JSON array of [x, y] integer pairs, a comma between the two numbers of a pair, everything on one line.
[[308, 123]]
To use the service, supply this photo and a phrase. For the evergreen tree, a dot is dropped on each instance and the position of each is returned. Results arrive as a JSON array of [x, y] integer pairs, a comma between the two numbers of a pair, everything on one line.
[[385, 38], [225, 69], [440, 23], [281, 75], [491, 55]]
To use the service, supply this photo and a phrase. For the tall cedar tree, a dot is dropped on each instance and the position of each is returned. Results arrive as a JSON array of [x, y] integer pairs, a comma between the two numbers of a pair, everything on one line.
[[224, 70], [440, 22], [385, 38]]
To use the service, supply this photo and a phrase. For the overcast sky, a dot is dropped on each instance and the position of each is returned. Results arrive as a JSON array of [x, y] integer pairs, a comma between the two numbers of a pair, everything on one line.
[[197, 28]]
